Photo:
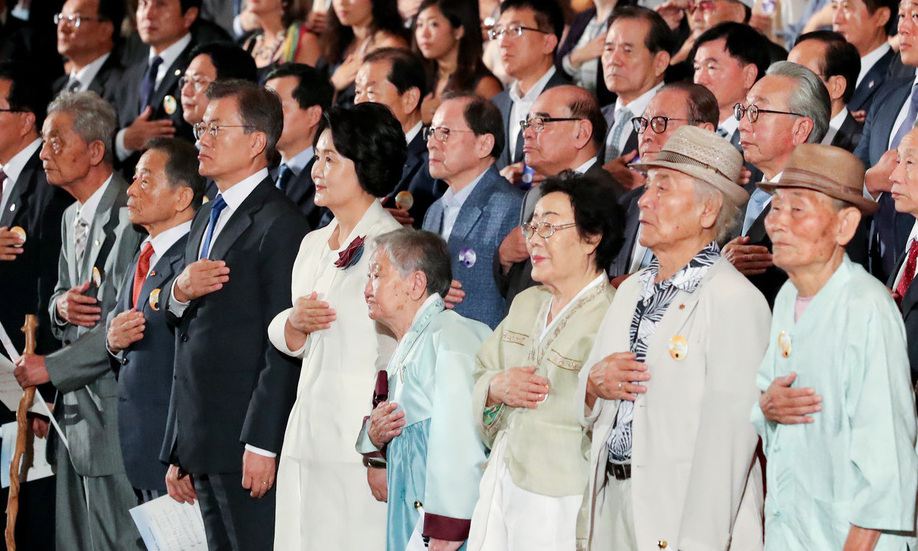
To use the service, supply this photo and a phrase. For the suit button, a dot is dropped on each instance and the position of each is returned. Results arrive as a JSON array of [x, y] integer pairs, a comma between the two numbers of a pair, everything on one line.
[[185, 338], [662, 544]]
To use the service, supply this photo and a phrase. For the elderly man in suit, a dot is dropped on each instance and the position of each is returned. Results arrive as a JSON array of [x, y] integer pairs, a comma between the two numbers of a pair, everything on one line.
[[478, 209], [527, 34], [86, 34], [305, 95], [827, 54], [226, 431], [93, 493], [166, 192], [669, 384]]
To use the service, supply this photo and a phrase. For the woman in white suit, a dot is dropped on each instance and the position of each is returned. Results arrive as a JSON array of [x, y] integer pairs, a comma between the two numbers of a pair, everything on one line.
[[672, 376], [322, 497]]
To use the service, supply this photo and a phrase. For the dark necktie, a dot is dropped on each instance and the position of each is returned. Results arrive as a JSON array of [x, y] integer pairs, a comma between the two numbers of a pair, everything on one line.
[[219, 205], [72, 85], [143, 267], [2, 184], [908, 274], [284, 175], [148, 84]]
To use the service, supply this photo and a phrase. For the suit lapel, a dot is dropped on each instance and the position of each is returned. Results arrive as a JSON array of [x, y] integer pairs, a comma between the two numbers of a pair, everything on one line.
[[240, 220], [100, 229], [164, 269], [756, 231], [22, 192], [170, 79], [871, 82], [473, 207]]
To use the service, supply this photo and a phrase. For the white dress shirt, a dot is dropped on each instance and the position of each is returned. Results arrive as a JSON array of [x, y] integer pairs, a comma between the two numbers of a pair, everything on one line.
[[14, 168], [87, 74], [299, 161], [87, 210], [586, 166], [452, 204], [834, 125], [164, 241], [729, 125], [521, 107], [409, 136]]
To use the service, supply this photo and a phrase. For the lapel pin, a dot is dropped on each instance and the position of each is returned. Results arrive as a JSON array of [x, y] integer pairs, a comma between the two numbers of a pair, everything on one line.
[[21, 233], [682, 307], [96, 242], [153, 273], [154, 299], [678, 347], [178, 72], [784, 343], [13, 207], [97, 276], [169, 105], [404, 200], [467, 257]]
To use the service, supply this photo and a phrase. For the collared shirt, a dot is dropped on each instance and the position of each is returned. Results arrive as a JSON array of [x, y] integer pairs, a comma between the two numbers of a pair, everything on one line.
[[758, 202], [88, 73], [409, 136], [586, 74], [869, 60], [164, 241], [452, 204], [87, 210], [299, 161], [637, 107], [903, 113], [729, 126], [522, 105], [652, 305], [834, 125], [169, 55], [586, 166], [547, 326], [908, 243], [14, 168]]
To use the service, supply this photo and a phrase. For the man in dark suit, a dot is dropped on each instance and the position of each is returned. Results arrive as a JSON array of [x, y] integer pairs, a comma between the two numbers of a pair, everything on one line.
[[635, 58], [480, 207], [232, 390], [830, 56], [396, 78], [149, 105], [86, 35], [166, 192], [563, 132], [768, 139], [305, 95], [93, 493], [527, 33]]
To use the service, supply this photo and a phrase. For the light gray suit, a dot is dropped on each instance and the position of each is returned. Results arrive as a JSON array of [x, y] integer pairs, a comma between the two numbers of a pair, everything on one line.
[[93, 492]]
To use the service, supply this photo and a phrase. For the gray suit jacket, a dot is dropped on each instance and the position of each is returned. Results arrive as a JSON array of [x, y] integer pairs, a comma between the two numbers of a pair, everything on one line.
[[86, 403]]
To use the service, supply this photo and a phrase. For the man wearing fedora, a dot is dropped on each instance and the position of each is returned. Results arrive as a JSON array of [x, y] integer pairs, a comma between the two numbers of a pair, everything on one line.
[[842, 466]]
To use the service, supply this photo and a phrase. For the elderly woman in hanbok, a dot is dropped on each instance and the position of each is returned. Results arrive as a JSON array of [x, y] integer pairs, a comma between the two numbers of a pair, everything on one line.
[[668, 386], [322, 497], [526, 376], [836, 415], [433, 453]]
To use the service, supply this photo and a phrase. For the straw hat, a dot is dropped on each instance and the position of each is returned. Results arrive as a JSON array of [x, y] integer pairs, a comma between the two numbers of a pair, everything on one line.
[[703, 155], [827, 169]]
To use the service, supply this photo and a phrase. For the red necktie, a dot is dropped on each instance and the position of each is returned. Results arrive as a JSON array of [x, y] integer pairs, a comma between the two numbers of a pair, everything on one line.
[[909, 273], [143, 266]]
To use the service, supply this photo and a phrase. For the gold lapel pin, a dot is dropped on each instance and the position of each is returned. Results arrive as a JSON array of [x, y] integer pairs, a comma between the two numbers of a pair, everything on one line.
[[154, 299], [678, 347], [97, 276], [170, 105], [784, 344]]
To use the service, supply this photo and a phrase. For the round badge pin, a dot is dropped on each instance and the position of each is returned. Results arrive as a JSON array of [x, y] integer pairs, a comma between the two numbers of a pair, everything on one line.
[[467, 257], [154, 299], [20, 232], [784, 344], [678, 347], [404, 200], [170, 105], [96, 276]]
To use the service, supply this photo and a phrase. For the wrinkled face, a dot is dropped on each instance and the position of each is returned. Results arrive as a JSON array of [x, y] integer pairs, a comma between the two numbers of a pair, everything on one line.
[[353, 13], [151, 199], [720, 73], [564, 255], [457, 154], [9, 140], [386, 292], [198, 76], [65, 156], [372, 85], [771, 136], [719, 11], [521, 53], [856, 24], [904, 177], [88, 37], [551, 150], [672, 104], [434, 35], [627, 64], [161, 22], [334, 175], [802, 225], [670, 210], [908, 31], [231, 149]]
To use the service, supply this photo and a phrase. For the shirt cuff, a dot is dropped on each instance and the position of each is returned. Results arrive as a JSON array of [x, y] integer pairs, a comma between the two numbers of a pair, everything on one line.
[[176, 306], [259, 451], [237, 26], [120, 149]]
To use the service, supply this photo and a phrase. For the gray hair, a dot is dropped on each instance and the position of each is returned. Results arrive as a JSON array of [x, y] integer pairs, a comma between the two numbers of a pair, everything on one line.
[[94, 118], [411, 250], [810, 98], [729, 214]]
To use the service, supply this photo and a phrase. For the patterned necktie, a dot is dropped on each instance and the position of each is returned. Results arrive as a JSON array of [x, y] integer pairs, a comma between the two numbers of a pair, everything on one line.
[[140, 274], [722, 132], [72, 85], [219, 204], [148, 84], [80, 235], [908, 275], [909, 121], [755, 207], [622, 122], [284, 174]]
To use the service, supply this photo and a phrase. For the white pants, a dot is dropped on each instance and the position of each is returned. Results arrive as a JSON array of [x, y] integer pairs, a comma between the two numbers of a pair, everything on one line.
[[613, 523]]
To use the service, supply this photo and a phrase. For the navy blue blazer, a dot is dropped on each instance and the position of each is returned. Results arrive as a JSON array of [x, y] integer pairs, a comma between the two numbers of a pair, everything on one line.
[[301, 191], [417, 180], [144, 372], [849, 134], [864, 94], [486, 217]]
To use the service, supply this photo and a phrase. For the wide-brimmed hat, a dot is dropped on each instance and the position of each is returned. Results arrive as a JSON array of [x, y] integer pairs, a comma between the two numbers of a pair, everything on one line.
[[704, 155], [827, 169]]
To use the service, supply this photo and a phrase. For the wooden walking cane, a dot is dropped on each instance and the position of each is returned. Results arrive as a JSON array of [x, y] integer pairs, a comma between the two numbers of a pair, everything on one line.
[[22, 439]]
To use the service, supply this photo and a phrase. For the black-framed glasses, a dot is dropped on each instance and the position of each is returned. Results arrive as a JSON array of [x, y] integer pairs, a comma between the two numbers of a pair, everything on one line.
[[11, 110], [658, 124], [441, 133], [537, 123], [751, 112], [512, 30], [543, 229], [75, 19], [199, 84], [213, 128]]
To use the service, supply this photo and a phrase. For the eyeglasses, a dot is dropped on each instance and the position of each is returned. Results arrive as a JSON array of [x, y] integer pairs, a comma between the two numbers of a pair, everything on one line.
[[11, 110], [441, 133], [537, 123], [199, 84], [76, 19], [752, 112], [658, 124], [514, 31], [543, 229], [213, 128]]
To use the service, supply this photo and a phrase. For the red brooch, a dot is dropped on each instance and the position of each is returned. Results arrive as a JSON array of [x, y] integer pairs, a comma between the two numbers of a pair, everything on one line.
[[349, 256]]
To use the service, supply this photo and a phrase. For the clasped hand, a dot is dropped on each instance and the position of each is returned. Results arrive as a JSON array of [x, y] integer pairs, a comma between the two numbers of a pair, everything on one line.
[[518, 387]]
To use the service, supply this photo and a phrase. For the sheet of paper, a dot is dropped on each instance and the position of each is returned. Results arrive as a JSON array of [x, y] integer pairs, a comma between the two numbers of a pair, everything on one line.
[[10, 391], [40, 467], [167, 525]]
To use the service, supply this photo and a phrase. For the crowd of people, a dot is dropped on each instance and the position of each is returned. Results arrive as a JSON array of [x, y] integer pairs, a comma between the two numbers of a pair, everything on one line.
[[444, 274]]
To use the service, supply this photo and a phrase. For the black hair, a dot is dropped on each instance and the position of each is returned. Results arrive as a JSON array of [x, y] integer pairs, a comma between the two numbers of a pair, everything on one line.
[[702, 105], [230, 61], [742, 43], [312, 87], [660, 37], [483, 117], [336, 38], [259, 108], [406, 70], [840, 58], [188, 4], [26, 92], [469, 65], [584, 105], [893, 7], [549, 14], [181, 165]]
